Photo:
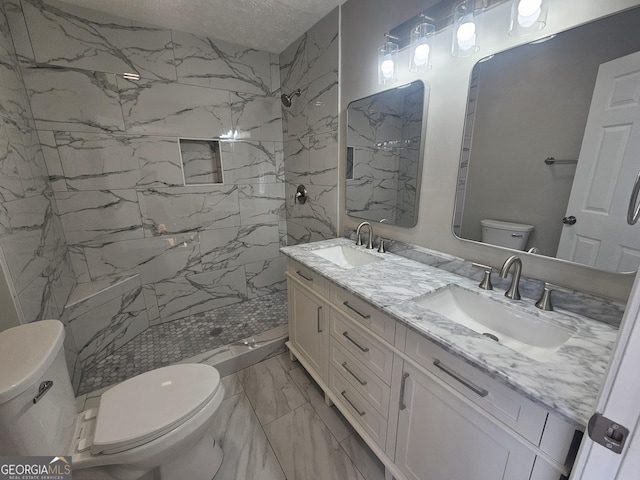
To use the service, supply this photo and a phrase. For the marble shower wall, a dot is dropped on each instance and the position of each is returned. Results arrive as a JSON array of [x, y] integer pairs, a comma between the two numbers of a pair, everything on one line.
[[112, 154], [31, 234], [311, 131]]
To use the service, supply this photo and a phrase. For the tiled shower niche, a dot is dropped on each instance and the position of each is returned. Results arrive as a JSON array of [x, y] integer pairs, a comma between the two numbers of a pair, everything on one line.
[[201, 163]]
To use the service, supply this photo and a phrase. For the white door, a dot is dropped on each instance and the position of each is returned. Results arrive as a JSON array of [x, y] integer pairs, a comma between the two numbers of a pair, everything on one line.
[[619, 400], [607, 166]]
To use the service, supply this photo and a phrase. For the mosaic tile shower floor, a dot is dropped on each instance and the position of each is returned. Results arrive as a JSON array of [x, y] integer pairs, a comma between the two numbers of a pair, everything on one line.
[[171, 342]]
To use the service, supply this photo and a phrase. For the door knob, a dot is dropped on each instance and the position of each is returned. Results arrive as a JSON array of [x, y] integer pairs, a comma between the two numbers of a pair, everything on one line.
[[569, 220]]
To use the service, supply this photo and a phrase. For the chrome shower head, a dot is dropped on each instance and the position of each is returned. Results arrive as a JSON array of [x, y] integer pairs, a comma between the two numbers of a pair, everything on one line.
[[286, 99]]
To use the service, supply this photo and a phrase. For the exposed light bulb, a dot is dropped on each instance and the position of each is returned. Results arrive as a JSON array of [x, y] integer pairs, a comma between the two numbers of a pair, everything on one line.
[[466, 35], [527, 8], [386, 67], [421, 55]]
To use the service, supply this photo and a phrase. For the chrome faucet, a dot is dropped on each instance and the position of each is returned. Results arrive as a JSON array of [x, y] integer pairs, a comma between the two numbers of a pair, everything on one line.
[[382, 240], [359, 239], [513, 292]]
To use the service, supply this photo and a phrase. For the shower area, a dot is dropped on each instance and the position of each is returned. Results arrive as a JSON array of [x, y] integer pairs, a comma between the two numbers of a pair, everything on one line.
[[147, 184]]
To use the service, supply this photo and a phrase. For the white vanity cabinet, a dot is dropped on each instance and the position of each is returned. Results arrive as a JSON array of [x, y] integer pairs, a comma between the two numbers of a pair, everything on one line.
[[426, 413], [440, 436], [308, 325]]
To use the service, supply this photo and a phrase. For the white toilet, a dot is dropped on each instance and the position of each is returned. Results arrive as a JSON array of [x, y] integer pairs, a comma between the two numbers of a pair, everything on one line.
[[153, 426], [506, 234]]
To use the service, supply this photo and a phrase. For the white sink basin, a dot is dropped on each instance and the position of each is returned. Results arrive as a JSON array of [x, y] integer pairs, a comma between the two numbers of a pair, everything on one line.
[[532, 336], [346, 257]]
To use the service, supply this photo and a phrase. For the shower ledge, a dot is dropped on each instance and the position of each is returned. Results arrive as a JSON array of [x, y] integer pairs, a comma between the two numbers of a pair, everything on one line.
[[94, 294]]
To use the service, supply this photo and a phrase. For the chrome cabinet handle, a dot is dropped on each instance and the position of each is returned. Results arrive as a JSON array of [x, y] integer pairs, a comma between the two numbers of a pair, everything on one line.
[[304, 276], [319, 315], [360, 412], [351, 307], [405, 375], [480, 391], [364, 349], [633, 213], [360, 381], [42, 390]]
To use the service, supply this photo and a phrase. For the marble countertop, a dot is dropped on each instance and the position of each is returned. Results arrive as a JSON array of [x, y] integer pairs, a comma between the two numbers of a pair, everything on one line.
[[566, 384]]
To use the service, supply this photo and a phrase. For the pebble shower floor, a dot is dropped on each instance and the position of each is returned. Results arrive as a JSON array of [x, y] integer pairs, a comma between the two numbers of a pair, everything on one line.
[[173, 341]]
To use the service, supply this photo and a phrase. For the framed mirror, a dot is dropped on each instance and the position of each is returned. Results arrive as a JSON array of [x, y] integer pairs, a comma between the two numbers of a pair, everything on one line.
[[384, 155], [552, 141]]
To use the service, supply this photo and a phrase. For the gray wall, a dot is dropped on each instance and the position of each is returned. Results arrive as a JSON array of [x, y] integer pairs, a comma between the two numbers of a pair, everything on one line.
[[363, 25]]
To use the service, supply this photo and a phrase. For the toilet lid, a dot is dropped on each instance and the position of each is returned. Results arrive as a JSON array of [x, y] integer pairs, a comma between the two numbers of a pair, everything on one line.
[[147, 406]]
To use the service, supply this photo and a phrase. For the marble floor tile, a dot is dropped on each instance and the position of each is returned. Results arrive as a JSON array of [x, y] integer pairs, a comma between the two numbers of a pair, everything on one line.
[[364, 459], [271, 390], [331, 417], [232, 385], [247, 453], [306, 449]]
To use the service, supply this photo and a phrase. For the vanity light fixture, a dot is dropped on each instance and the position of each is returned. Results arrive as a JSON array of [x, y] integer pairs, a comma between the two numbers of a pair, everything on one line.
[[527, 16], [465, 35], [420, 47], [387, 61]]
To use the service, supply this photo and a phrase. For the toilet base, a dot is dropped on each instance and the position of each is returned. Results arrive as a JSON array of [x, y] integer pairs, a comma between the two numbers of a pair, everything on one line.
[[201, 462]]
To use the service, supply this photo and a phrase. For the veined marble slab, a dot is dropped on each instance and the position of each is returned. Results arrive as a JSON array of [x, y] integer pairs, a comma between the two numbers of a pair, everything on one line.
[[256, 117], [72, 36], [262, 203], [219, 64], [248, 162], [265, 277], [567, 384], [162, 107]]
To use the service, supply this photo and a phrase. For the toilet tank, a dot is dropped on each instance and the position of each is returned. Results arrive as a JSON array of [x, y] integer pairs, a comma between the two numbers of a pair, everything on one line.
[[506, 234], [30, 355]]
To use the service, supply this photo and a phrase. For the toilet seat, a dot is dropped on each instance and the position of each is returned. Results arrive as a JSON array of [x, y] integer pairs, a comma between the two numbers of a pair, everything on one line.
[[149, 405]]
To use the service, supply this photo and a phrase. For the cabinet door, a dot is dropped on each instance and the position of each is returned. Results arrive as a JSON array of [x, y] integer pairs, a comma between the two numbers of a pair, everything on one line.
[[440, 436], [308, 327]]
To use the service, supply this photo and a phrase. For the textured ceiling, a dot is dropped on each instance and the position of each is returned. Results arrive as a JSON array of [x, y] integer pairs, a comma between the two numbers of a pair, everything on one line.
[[270, 25]]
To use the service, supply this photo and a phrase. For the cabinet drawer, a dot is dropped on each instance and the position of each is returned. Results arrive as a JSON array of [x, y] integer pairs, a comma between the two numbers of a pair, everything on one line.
[[374, 354], [365, 414], [306, 276], [364, 313], [374, 390], [513, 409]]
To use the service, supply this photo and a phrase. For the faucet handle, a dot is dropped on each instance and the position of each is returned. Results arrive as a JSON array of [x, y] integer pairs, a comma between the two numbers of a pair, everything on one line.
[[545, 300], [485, 284]]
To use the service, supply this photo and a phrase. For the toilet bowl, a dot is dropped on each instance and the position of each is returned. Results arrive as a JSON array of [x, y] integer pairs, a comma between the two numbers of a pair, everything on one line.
[[156, 425]]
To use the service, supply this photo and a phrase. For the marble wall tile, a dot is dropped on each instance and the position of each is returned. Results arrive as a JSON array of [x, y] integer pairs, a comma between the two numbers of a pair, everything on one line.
[[37, 302], [10, 179], [96, 161], [322, 46], [297, 164], [225, 247], [72, 36], [28, 158], [266, 277], [294, 65], [218, 64], [160, 107], [102, 330], [274, 63], [73, 100], [200, 292], [318, 214], [323, 159], [256, 117], [320, 105], [245, 162], [188, 209], [52, 161], [19, 31], [261, 203], [99, 216], [155, 259], [79, 263], [14, 102]]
